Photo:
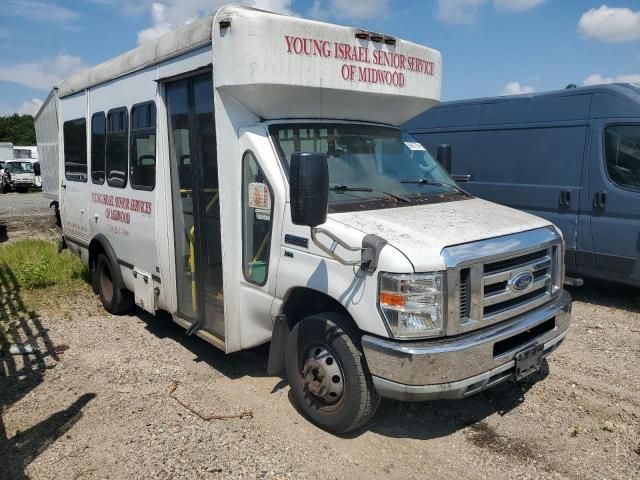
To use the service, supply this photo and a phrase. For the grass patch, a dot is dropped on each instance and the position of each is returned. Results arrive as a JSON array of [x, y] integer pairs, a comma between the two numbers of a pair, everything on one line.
[[33, 264], [34, 274]]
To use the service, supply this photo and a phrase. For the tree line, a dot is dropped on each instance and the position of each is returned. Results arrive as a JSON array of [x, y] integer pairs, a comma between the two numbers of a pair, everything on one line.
[[18, 129]]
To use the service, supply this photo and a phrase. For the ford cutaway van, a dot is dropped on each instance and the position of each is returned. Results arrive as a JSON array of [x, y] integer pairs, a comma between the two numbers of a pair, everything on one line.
[[246, 174]]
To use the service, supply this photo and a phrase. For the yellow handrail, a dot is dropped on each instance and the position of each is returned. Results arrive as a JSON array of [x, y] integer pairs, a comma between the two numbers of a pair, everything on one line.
[[192, 248]]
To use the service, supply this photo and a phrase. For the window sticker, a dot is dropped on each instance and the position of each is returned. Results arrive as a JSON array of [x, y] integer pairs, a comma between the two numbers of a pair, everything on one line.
[[259, 196], [415, 146]]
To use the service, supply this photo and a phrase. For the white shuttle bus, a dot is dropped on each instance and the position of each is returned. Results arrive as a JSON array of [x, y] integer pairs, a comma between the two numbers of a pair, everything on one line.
[[245, 173]]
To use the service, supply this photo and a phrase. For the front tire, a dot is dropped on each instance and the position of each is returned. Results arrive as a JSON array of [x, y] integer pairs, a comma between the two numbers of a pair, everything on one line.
[[328, 374], [115, 298]]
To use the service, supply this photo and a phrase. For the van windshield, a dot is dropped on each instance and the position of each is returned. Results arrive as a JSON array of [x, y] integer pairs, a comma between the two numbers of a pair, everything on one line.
[[18, 167], [367, 163]]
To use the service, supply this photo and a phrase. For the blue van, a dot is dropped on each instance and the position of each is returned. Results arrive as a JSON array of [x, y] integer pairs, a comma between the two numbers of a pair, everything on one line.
[[571, 156]]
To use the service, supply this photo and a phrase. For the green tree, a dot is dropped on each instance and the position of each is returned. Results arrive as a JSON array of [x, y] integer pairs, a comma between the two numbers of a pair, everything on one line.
[[18, 129]]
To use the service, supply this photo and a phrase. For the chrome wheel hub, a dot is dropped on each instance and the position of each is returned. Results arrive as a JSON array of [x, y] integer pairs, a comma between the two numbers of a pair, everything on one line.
[[322, 375]]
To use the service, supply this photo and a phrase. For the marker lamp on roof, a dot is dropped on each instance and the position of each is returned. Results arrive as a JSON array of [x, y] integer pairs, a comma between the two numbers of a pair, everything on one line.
[[412, 304]]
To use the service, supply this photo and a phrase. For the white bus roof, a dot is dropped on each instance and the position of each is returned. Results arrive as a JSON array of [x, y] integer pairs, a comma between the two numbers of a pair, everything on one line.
[[281, 67], [182, 40]]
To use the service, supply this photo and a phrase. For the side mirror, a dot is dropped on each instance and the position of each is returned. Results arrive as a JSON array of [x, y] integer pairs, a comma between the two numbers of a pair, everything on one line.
[[309, 188], [444, 156]]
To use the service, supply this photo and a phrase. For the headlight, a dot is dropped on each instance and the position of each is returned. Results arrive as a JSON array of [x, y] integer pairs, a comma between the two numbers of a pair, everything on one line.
[[412, 304]]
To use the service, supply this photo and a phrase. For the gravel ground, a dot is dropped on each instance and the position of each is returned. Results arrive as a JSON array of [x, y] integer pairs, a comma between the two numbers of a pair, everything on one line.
[[25, 215], [124, 398]]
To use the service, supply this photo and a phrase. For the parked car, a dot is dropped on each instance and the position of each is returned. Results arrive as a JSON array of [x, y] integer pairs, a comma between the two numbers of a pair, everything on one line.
[[570, 156], [18, 175]]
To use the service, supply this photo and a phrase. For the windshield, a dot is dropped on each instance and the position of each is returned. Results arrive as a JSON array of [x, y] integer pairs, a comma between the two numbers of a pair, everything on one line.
[[367, 162], [18, 167]]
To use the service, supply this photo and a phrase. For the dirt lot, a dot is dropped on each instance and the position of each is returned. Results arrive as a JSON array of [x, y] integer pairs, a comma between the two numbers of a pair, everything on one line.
[[122, 397], [25, 215]]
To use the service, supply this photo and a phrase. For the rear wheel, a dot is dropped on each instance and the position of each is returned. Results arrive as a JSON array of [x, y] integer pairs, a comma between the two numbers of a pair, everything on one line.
[[328, 373], [115, 298]]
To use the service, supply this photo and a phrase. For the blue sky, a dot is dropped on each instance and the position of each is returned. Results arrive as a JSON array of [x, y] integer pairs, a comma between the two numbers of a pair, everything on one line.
[[489, 47]]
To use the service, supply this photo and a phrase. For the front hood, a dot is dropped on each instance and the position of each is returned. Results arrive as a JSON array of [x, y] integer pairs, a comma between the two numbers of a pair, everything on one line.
[[422, 231]]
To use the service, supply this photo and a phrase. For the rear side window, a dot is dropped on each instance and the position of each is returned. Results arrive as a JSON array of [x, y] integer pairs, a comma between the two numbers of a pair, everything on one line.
[[117, 147], [98, 143], [142, 171], [622, 155], [75, 150]]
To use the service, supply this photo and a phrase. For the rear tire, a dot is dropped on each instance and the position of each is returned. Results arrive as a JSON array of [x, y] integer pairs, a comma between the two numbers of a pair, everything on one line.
[[115, 298], [328, 374]]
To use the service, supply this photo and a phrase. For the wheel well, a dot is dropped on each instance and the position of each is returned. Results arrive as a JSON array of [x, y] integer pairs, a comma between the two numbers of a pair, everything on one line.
[[95, 249], [302, 302]]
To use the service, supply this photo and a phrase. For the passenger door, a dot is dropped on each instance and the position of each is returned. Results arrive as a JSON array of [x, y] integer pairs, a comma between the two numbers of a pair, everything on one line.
[[614, 187], [196, 206]]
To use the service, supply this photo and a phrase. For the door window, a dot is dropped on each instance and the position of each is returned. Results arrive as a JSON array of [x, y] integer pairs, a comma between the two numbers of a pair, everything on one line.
[[257, 202], [622, 155]]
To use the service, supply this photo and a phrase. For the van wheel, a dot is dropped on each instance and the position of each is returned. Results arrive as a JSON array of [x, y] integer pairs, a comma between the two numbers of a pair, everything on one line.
[[115, 298], [328, 374]]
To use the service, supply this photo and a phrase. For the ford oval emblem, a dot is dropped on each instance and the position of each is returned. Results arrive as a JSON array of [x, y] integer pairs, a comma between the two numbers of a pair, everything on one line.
[[522, 281]]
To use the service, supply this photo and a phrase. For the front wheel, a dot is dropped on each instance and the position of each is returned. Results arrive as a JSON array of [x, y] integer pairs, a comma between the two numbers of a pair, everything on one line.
[[328, 373]]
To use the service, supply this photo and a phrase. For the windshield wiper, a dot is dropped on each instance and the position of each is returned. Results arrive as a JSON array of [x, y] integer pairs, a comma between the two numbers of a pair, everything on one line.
[[360, 188], [435, 183]]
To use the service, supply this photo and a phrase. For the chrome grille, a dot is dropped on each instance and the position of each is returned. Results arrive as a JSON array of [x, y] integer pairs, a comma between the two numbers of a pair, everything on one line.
[[483, 291], [465, 294], [500, 299]]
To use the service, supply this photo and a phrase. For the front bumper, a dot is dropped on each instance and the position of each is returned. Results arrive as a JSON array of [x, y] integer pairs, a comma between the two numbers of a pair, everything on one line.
[[464, 365]]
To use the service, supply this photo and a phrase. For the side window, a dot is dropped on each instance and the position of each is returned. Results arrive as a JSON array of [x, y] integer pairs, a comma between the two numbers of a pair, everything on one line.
[[257, 203], [117, 147], [143, 147], [75, 150], [98, 134], [622, 155]]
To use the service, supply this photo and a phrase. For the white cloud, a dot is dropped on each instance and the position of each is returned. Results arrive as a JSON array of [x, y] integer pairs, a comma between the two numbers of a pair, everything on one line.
[[347, 9], [517, 5], [42, 11], [43, 74], [359, 9], [467, 11], [515, 88], [610, 24], [170, 14], [458, 11], [597, 79], [318, 11], [28, 107]]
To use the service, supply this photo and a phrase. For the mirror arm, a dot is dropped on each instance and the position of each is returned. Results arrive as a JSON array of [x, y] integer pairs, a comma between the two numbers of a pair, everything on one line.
[[369, 252]]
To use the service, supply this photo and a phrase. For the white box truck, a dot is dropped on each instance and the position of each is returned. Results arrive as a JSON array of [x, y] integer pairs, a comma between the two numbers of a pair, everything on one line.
[[245, 173]]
